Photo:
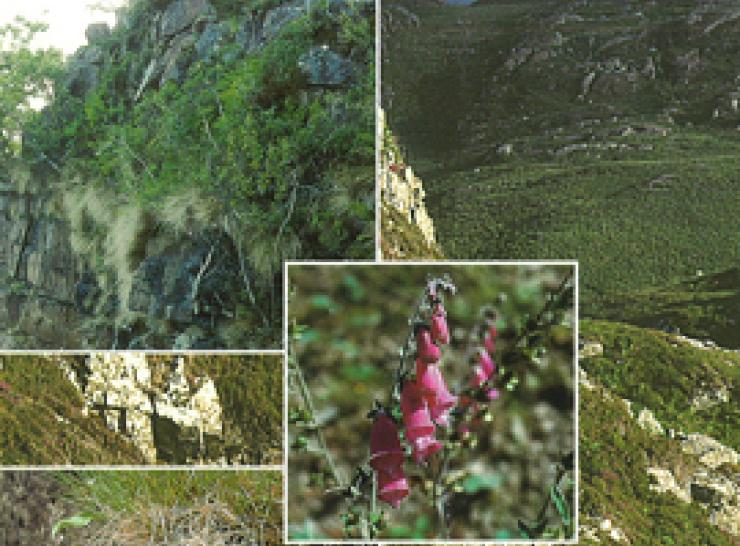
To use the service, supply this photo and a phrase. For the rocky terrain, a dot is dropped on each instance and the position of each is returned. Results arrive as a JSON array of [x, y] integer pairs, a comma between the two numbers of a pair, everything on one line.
[[109, 230], [661, 453], [132, 408]]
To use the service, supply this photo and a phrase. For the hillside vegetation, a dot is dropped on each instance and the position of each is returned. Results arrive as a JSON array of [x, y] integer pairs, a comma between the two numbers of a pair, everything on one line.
[[100, 508], [602, 131], [50, 416], [606, 132]]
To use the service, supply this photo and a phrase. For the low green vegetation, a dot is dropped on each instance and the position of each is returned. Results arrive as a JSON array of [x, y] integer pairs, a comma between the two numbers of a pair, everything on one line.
[[654, 370], [603, 132], [169, 507], [632, 223], [614, 484], [704, 307], [41, 419]]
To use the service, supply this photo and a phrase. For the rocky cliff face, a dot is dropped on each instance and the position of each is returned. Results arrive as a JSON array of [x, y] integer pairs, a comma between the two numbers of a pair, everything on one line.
[[40, 271], [166, 414], [118, 408], [85, 266], [170, 289], [407, 229]]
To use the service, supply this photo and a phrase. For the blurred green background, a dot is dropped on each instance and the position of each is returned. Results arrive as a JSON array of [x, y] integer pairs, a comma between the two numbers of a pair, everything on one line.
[[347, 324]]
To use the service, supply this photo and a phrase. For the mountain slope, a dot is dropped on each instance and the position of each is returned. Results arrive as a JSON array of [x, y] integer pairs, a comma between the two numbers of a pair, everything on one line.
[[602, 131]]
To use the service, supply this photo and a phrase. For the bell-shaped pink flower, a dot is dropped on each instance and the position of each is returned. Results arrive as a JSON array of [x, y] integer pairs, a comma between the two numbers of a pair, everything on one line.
[[486, 363], [385, 446], [440, 331], [430, 380], [479, 377], [425, 347], [489, 341], [415, 412], [392, 486], [425, 447], [493, 394]]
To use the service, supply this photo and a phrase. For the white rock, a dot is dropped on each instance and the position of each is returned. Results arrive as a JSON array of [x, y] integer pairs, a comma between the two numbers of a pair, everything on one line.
[[647, 421]]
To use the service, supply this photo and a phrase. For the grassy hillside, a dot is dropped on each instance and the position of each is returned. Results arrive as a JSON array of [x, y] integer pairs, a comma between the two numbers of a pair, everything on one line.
[[654, 371], [42, 422], [602, 131], [703, 306], [666, 375]]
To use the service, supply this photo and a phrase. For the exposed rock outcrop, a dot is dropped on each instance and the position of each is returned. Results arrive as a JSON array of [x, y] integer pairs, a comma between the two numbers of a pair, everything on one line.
[[402, 191], [166, 414]]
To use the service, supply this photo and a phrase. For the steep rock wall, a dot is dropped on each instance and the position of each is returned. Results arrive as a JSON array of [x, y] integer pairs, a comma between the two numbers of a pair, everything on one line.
[[39, 269]]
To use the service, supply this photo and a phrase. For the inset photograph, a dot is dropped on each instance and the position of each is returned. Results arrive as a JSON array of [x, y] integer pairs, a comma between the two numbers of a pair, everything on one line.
[[109, 409], [160, 159], [140, 508], [431, 401]]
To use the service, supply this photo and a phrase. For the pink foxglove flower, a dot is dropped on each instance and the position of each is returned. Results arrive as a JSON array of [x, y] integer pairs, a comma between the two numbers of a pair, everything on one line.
[[385, 446], [432, 384], [392, 486], [418, 421], [486, 363], [483, 372], [479, 377], [425, 447], [440, 331], [425, 347]]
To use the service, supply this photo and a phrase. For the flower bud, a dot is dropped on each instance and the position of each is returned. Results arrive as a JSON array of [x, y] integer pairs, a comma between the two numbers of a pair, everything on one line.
[[425, 347], [440, 331]]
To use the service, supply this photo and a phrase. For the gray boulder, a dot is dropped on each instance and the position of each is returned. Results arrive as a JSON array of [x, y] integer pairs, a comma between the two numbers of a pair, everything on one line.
[[177, 58], [325, 68], [278, 17], [249, 37], [82, 75], [211, 40], [97, 32], [182, 14]]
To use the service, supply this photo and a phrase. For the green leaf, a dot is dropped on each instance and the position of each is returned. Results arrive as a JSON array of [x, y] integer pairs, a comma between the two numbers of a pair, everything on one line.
[[323, 301], [560, 504], [473, 484], [74, 521]]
